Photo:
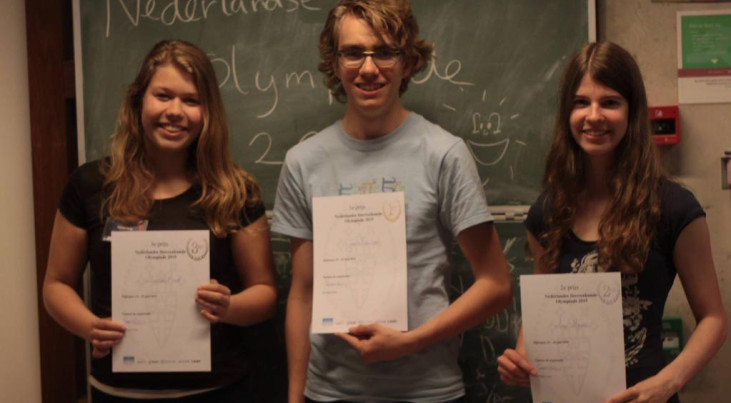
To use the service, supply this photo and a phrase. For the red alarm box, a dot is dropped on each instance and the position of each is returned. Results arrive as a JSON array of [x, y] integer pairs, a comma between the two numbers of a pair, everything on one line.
[[665, 124]]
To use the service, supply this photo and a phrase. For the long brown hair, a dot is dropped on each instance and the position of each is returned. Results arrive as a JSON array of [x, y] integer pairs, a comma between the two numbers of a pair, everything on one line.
[[627, 228], [225, 187], [392, 18]]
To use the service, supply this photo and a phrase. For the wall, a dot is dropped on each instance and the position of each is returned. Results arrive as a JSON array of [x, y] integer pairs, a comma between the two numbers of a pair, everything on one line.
[[648, 31], [20, 372]]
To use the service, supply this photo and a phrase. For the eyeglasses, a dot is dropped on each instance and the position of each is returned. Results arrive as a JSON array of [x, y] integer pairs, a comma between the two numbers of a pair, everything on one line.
[[383, 58]]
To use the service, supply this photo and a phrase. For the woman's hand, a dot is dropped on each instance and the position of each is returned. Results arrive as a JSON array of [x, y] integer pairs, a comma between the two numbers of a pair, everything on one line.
[[214, 300], [105, 334], [514, 368]]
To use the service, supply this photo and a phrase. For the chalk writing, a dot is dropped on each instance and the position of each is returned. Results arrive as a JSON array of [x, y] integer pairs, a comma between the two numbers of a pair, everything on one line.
[[494, 397], [268, 141], [262, 83], [449, 73], [186, 11], [267, 138], [488, 153]]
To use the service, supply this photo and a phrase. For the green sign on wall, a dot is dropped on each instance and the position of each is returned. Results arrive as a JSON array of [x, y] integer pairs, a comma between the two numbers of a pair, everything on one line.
[[706, 41]]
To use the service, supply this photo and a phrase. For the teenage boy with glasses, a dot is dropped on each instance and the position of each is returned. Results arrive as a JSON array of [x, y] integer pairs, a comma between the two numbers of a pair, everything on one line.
[[369, 50]]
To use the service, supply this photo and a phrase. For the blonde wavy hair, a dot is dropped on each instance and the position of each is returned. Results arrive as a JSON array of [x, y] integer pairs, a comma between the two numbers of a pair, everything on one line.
[[391, 18], [225, 188], [629, 225]]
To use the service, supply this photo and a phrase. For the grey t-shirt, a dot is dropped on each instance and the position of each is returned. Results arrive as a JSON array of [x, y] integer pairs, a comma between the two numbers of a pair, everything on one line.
[[444, 196]]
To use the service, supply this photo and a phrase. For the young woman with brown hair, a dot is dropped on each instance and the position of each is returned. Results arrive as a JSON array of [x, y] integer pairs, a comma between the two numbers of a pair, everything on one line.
[[607, 205]]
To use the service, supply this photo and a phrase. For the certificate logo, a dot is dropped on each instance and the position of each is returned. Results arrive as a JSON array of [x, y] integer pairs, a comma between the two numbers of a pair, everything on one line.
[[608, 293], [391, 210], [197, 248]]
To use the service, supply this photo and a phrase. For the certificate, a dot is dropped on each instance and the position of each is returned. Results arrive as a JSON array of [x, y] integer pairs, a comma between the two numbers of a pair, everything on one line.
[[155, 275], [359, 262], [573, 334]]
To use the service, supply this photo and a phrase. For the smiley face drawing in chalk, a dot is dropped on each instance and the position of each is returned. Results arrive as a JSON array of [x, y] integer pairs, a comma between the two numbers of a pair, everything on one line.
[[487, 143]]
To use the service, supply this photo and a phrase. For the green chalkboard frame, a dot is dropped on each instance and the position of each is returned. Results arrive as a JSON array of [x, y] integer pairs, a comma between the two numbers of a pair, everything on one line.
[[494, 83]]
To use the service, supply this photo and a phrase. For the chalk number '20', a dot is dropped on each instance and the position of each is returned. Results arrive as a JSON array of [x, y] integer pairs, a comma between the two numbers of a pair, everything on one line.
[[267, 138]]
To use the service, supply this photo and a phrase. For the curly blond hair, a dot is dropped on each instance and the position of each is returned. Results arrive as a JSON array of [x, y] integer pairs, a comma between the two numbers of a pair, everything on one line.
[[391, 18]]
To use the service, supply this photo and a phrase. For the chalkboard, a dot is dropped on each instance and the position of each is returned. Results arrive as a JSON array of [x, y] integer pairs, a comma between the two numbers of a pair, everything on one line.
[[494, 83], [481, 346]]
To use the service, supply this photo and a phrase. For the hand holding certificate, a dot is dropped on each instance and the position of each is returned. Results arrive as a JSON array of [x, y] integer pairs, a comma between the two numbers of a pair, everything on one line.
[[359, 262], [573, 334], [154, 279]]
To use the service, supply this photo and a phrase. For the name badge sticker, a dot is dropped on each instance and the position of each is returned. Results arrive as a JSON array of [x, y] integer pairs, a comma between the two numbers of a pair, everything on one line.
[[112, 224]]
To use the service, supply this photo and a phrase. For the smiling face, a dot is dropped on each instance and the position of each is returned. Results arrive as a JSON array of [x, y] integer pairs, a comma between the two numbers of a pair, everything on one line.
[[172, 115], [372, 92], [599, 118]]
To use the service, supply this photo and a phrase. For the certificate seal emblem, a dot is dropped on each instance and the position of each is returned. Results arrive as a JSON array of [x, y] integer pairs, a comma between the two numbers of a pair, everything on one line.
[[391, 210], [608, 293], [197, 249]]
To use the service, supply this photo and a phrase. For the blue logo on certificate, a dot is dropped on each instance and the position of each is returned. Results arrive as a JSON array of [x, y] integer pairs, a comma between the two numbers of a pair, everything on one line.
[[128, 359], [327, 321]]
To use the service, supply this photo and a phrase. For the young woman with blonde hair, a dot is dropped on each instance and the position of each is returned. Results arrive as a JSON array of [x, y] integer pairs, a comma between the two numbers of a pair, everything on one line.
[[169, 168]]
